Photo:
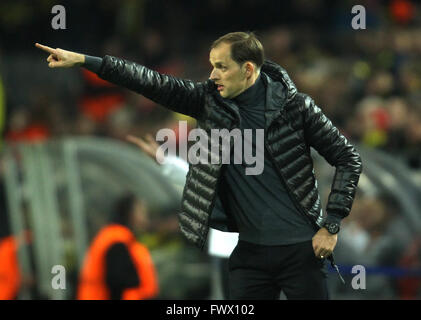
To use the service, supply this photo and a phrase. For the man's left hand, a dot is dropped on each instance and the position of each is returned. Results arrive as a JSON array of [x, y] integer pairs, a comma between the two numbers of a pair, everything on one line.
[[324, 243]]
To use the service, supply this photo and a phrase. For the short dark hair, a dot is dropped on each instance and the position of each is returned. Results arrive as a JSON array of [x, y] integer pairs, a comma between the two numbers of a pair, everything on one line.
[[244, 47]]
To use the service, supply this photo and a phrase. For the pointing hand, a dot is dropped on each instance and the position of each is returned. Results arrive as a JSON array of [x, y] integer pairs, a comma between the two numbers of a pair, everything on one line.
[[60, 58]]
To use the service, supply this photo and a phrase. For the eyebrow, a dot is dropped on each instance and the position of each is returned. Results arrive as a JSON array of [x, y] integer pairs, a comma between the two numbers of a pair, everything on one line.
[[218, 63]]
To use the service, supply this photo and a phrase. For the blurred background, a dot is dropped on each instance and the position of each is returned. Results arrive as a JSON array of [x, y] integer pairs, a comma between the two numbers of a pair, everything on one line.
[[64, 157]]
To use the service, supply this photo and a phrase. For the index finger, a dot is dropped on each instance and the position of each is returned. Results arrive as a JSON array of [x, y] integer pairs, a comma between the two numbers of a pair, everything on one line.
[[45, 48], [136, 140]]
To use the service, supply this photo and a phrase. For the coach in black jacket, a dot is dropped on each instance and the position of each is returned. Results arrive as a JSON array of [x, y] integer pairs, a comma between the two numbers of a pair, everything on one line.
[[284, 234]]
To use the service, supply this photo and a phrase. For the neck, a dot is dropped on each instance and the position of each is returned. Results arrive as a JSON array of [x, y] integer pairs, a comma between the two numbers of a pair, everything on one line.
[[249, 82], [250, 94], [252, 80]]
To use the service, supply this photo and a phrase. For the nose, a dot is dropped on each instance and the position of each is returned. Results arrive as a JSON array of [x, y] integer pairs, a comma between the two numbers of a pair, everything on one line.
[[214, 75]]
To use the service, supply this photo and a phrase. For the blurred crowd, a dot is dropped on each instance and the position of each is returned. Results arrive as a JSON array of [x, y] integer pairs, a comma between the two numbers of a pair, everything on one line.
[[368, 82]]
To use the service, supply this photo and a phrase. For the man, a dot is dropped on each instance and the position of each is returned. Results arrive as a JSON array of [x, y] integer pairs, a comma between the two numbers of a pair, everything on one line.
[[116, 266], [284, 235]]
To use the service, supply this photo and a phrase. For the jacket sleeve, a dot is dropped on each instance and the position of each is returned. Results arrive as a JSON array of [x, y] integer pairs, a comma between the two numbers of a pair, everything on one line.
[[326, 139], [183, 96]]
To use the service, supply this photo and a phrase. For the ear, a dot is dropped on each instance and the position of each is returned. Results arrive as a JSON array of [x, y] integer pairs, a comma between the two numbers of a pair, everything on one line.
[[248, 68]]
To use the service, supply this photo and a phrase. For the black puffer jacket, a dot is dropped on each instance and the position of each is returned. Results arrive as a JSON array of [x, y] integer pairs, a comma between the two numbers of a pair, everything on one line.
[[293, 124]]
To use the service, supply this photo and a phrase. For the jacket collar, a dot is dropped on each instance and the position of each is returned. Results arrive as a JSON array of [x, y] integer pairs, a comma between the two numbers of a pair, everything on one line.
[[277, 74], [279, 90]]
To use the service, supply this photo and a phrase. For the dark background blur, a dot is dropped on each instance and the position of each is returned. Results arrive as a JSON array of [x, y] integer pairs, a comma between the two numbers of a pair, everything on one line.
[[368, 82]]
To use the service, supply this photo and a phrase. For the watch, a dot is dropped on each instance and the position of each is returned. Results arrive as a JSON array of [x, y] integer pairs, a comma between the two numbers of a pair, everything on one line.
[[333, 228]]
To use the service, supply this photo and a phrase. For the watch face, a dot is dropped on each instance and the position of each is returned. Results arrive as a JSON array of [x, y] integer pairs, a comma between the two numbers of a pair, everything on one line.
[[333, 228]]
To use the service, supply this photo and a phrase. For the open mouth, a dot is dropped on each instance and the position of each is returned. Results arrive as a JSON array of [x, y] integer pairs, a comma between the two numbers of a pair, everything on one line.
[[220, 87]]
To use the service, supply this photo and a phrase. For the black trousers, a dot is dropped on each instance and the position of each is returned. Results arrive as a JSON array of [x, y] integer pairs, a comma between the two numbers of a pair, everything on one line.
[[262, 272]]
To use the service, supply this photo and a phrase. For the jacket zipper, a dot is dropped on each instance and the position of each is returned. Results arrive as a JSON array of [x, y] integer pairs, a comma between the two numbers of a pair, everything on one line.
[[291, 195]]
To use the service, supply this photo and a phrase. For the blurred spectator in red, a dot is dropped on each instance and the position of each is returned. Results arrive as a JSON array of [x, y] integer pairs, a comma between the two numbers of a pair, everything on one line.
[[116, 266], [402, 11], [101, 98], [410, 286], [28, 126], [9, 267], [11, 279], [370, 123]]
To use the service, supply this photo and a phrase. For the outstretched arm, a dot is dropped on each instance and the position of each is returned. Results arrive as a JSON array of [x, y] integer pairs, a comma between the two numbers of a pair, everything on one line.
[[183, 96]]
